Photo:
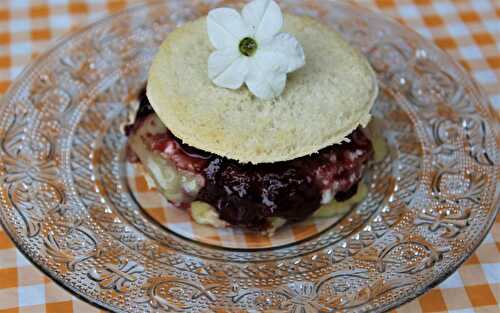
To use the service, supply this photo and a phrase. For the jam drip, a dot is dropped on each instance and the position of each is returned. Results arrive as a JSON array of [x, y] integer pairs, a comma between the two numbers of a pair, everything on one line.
[[183, 156], [247, 195]]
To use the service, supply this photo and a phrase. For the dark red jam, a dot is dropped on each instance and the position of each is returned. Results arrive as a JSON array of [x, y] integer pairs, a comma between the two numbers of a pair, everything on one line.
[[247, 195]]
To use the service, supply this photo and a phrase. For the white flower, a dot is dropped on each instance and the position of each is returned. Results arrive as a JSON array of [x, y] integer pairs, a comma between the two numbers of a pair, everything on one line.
[[250, 49]]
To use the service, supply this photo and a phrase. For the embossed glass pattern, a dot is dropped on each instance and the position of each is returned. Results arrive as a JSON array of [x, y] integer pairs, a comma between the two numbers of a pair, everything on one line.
[[66, 203]]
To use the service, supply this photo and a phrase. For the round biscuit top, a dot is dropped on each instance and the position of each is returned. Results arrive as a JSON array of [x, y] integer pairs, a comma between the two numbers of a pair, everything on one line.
[[323, 102]]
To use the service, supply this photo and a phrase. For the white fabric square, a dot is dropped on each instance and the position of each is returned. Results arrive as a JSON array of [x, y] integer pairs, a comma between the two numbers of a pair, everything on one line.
[[19, 4], [31, 295], [444, 8], [425, 32], [458, 29], [471, 52], [60, 21], [21, 260], [493, 26], [462, 311], [485, 77], [482, 5], [492, 272], [488, 239], [495, 101], [19, 25], [21, 48], [408, 11], [58, 2], [454, 281], [15, 70]]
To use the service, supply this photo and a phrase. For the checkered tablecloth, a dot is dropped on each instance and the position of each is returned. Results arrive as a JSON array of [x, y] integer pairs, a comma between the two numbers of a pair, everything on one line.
[[469, 30]]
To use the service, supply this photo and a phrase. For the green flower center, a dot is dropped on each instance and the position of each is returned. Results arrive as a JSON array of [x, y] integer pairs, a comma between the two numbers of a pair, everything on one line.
[[248, 46]]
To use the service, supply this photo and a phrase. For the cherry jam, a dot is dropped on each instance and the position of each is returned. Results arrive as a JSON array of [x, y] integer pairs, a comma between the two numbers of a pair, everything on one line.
[[248, 194]]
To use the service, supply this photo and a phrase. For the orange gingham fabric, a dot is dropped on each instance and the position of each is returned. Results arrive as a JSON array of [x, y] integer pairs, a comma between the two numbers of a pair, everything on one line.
[[469, 30]]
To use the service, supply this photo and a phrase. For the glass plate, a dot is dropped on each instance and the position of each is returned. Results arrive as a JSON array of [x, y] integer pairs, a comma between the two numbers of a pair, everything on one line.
[[66, 203]]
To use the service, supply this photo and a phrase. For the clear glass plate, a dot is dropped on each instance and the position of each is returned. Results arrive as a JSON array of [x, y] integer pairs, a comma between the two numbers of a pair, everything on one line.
[[66, 203]]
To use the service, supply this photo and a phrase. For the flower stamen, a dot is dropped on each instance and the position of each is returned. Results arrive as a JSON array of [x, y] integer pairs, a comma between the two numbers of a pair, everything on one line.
[[251, 50], [248, 46]]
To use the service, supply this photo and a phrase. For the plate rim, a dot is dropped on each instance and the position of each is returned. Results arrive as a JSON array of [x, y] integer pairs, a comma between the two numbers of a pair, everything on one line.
[[88, 25]]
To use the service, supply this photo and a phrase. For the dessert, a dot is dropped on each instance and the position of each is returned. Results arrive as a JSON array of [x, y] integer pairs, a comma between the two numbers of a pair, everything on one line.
[[261, 156]]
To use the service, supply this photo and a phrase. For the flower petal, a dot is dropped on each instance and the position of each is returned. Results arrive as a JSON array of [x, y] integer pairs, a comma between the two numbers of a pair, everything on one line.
[[287, 45], [228, 68], [267, 76], [226, 28], [265, 18], [220, 60]]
